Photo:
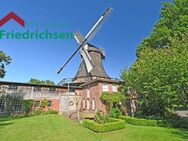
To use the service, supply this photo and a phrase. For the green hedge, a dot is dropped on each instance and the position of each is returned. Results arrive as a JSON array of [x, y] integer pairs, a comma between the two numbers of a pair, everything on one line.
[[161, 123], [139, 121], [114, 124]]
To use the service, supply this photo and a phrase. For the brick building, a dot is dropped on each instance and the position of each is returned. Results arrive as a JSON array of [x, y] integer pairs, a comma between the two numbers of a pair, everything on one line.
[[87, 87]]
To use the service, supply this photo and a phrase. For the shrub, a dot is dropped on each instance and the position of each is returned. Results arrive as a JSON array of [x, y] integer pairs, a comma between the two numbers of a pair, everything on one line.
[[140, 121], [114, 124], [37, 112], [112, 99], [101, 117], [181, 123], [52, 112], [115, 113], [41, 112], [27, 105]]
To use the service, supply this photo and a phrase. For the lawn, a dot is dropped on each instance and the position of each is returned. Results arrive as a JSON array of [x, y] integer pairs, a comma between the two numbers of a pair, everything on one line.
[[56, 128]]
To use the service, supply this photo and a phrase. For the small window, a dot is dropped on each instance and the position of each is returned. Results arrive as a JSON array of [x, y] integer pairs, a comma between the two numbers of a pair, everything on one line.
[[84, 104], [93, 104], [17, 106], [52, 89], [114, 88], [49, 104], [88, 104], [37, 89], [37, 104], [105, 88], [2, 106], [88, 93], [13, 87]]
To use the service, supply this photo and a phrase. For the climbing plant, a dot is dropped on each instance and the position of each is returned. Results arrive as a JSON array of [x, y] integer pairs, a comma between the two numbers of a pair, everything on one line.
[[112, 99]]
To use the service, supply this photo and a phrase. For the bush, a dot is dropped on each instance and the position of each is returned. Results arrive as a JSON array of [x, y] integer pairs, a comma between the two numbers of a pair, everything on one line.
[[115, 113], [52, 112], [114, 124], [37, 112], [140, 121], [181, 123], [101, 117], [41, 112], [27, 105]]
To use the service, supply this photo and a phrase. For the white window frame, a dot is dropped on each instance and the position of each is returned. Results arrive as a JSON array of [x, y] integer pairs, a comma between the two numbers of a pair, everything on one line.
[[13, 87], [93, 104], [88, 93], [84, 104], [114, 88], [18, 106], [105, 87], [88, 105], [37, 89], [2, 106]]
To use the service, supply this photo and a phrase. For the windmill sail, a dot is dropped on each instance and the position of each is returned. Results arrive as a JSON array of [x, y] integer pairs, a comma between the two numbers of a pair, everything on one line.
[[90, 34], [79, 38], [87, 59], [84, 52]]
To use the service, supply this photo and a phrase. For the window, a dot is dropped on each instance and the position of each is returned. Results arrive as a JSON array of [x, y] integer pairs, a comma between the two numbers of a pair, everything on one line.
[[49, 104], [13, 87], [93, 104], [84, 104], [88, 93], [37, 89], [52, 89], [114, 88], [2, 106], [37, 104], [105, 88], [88, 104], [17, 106]]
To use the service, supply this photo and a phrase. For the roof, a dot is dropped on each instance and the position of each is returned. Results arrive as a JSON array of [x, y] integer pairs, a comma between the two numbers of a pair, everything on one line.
[[102, 81], [37, 85]]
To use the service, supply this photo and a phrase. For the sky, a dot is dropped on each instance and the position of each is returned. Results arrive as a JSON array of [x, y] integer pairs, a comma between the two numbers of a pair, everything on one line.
[[129, 23]]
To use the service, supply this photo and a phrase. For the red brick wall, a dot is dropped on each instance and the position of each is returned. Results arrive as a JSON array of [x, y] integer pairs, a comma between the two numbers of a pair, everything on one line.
[[96, 90], [55, 104]]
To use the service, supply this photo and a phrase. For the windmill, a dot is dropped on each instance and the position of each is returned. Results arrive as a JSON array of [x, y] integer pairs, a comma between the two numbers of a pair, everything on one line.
[[88, 63]]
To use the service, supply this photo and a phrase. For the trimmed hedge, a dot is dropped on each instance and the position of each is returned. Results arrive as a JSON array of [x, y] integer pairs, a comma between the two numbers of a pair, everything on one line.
[[139, 121], [114, 124], [160, 123]]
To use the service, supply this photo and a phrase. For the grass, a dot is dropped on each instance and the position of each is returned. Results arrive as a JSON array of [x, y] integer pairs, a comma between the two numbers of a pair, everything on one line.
[[56, 128]]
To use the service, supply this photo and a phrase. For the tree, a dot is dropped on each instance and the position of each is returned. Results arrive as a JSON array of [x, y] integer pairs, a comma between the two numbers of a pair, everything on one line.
[[41, 82], [4, 60], [160, 74], [112, 100], [171, 25]]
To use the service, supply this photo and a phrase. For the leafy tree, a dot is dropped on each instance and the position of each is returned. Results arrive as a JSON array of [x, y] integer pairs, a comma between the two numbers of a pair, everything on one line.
[[160, 74], [173, 24], [112, 99], [4, 60], [44, 82]]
